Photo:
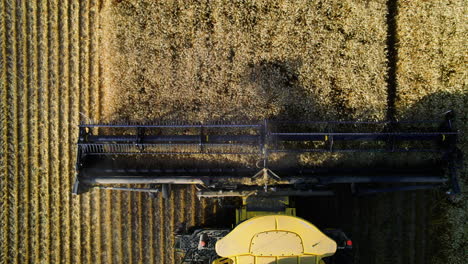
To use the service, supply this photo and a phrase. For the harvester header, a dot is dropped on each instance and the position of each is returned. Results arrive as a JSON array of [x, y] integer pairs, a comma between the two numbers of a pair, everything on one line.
[[151, 156]]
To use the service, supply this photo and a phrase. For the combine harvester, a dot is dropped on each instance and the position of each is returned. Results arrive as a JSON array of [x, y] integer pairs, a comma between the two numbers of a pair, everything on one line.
[[151, 157]]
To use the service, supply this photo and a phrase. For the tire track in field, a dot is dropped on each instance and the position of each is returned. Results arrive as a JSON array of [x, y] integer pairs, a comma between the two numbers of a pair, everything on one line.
[[12, 132], [23, 135], [74, 100], [54, 102], [64, 132]]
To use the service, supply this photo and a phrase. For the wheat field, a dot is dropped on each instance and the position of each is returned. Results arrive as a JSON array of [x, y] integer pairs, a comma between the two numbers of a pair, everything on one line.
[[69, 61]]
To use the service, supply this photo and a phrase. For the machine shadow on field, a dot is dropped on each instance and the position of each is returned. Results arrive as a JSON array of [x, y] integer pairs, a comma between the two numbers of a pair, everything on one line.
[[277, 86], [401, 226], [443, 215]]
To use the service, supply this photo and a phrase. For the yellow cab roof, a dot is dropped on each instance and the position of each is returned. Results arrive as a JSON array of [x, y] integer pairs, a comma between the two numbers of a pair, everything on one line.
[[275, 239]]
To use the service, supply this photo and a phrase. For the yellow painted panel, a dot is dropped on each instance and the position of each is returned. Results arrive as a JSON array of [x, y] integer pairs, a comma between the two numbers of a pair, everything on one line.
[[315, 242], [248, 259], [276, 243], [237, 242]]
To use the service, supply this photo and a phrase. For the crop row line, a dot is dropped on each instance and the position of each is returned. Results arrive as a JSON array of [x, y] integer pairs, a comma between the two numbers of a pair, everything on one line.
[[3, 141], [63, 153], [22, 136], [73, 116], [43, 106], [33, 116], [83, 75], [12, 131]]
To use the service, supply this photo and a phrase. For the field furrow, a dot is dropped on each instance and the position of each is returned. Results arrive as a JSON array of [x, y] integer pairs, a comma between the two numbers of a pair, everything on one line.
[[147, 236], [169, 228], [190, 205], [126, 223], [53, 130], [93, 59], [116, 227], [181, 205], [106, 220], [33, 115], [136, 227], [74, 91], [93, 87], [63, 151], [179, 211], [95, 208], [4, 229], [159, 225], [3, 139], [23, 135], [84, 110], [12, 131], [43, 144]]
